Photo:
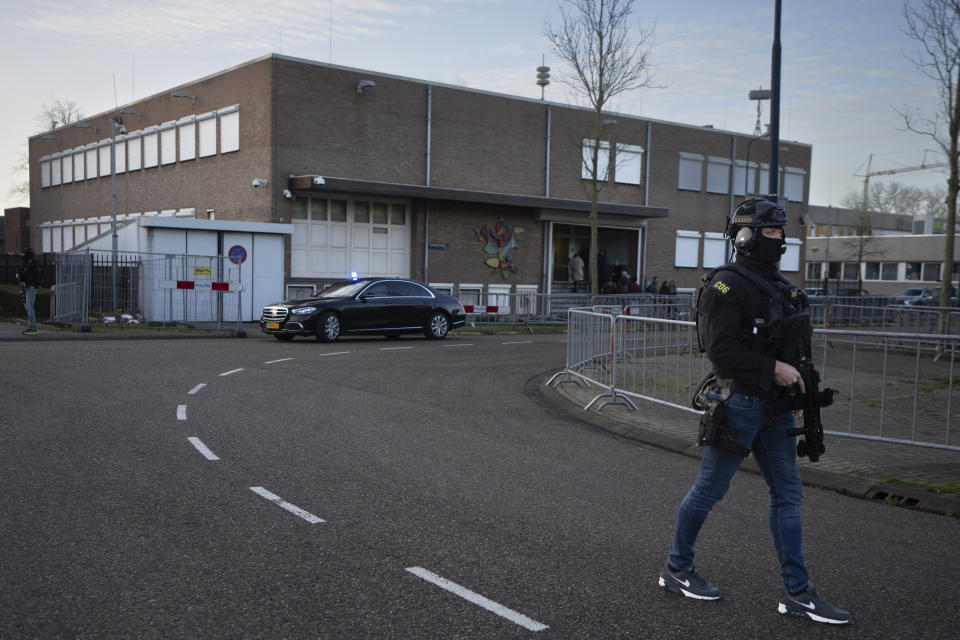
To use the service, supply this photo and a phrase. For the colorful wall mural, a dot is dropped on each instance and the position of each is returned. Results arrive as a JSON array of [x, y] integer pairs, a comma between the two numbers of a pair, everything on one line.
[[496, 243]]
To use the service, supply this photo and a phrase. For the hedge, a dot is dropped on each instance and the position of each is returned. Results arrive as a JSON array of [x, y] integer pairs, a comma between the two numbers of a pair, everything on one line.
[[10, 304]]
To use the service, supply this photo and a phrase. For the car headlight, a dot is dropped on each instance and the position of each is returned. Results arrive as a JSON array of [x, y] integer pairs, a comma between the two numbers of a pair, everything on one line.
[[303, 310]]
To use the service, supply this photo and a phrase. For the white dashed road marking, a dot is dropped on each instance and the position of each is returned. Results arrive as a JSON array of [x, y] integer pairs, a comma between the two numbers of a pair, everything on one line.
[[459, 345], [181, 412], [202, 448], [477, 599], [394, 348], [335, 353], [196, 388], [227, 373], [519, 342], [277, 500], [276, 361]]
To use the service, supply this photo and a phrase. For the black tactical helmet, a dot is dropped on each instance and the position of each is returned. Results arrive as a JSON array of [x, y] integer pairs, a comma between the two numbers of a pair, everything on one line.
[[755, 213]]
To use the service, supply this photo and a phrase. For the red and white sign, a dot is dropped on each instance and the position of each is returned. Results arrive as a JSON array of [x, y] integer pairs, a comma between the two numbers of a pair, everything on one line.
[[201, 286]]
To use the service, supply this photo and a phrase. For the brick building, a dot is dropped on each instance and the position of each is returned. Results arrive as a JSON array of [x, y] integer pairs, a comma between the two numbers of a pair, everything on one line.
[[385, 175]]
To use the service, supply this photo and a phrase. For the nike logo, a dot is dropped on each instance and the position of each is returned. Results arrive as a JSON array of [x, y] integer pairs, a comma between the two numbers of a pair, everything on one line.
[[685, 583], [808, 605]]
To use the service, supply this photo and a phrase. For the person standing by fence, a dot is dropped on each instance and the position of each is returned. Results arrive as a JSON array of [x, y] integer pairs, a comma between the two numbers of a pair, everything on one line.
[[576, 270], [749, 318], [28, 277]]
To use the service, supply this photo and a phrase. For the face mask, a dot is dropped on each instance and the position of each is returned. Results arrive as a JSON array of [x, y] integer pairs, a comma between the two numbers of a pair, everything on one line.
[[767, 249]]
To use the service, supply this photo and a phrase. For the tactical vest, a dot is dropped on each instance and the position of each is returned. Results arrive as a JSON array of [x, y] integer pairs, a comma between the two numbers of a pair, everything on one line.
[[785, 332]]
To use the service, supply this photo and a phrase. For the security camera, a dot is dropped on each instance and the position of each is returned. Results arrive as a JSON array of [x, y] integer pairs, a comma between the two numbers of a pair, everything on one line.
[[259, 181], [287, 194], [122, 130]]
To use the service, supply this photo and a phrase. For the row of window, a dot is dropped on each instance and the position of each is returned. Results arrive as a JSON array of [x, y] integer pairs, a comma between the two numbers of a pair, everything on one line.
[[63, 235], [716, 250], [893, 271], [175, 141], [745, 176]]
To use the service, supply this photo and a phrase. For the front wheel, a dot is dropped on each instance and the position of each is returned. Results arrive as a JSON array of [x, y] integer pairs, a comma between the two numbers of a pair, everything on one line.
[[328, 327], [438, 326]]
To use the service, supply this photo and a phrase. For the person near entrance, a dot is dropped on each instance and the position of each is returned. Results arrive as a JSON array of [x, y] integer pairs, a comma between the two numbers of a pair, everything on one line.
[[752, 324], [576, 270], [28, 277]]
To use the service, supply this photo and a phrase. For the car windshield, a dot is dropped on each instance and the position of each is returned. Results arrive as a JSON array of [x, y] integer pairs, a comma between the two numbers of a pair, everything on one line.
[[343, 289], [910, 292]]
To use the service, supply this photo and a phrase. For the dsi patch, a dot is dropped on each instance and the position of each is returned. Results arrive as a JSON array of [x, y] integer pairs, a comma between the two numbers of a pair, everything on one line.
[[722, 287]]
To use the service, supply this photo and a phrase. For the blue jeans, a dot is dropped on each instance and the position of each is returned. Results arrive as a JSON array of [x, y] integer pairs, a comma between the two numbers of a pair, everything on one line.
[[30, 305], [776, 455]]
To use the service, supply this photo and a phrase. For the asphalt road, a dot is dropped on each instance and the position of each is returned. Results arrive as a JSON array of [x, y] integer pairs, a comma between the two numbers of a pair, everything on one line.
[[391, 489]]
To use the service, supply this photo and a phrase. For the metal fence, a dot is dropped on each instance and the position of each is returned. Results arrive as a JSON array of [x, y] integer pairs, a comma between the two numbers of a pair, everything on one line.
[[539, 308], [894, 387], [100, 287]]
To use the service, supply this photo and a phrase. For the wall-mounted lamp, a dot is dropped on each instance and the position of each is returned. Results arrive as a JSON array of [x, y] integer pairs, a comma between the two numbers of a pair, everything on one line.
[[259, 182], [180, 93], [287, 194], [363, 84], [129, 111], [85, 125], [211, 214]]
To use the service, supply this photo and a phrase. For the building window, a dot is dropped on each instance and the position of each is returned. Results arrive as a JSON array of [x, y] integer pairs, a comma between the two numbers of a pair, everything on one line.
[[912, 271], [134, 152], [187, 132], [168, 143], [718, 175], [208, 134], [744, 177], [687, 249], [603, 161], [850, 270], [230, 129], [629, 167], [871, 271], [471, 294], [714, 249], [67, 172], [79, 168], [91, 161], [104, 152], [888, 271], [931, 271], [814, 271], [691, 172], [121, 155], [44, 174], [151, 148], [791, 257], [793, 184]]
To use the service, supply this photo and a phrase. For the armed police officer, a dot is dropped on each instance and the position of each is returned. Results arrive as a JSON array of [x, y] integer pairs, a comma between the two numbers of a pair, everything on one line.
[[745, 323]]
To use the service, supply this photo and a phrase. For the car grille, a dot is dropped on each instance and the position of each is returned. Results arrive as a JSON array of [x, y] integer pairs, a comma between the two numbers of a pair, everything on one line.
[[273, 314]]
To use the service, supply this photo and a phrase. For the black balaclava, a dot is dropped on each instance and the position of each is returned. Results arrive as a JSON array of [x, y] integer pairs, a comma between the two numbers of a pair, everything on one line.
[[767, 249]]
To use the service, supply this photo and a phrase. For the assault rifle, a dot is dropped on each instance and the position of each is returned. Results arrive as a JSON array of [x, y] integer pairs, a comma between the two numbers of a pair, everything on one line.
[[810, 401]]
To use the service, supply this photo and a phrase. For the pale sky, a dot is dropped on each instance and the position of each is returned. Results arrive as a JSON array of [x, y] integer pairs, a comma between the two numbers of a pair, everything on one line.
[[844, 74]]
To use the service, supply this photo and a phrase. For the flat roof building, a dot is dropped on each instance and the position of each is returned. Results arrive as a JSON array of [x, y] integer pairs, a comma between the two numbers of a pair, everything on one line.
[[383, 175]]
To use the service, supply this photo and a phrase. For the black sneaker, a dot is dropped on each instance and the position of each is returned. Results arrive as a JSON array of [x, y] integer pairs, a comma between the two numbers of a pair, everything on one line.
[[689, 583], [807, 604]]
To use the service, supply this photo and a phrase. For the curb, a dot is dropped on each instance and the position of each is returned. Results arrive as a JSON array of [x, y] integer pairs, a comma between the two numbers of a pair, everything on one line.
[[905, 496]]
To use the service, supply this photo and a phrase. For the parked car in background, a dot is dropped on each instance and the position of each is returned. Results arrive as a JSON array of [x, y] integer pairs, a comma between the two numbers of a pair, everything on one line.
[[936, 297], [846, 293], [915, 297], [378, 306]]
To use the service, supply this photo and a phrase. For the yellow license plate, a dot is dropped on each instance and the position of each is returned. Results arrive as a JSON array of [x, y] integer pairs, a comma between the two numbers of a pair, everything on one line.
[[273, 325]]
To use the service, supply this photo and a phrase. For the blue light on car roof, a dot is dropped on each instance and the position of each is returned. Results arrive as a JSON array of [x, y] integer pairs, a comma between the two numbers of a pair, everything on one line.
[[354, 275]]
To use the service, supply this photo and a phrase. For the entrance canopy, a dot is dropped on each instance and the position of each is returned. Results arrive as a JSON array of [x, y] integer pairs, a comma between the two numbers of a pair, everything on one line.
[[348, 185]]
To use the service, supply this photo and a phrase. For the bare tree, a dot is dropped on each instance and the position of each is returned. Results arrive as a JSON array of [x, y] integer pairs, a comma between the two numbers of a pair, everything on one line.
[[896, 197], [594, 40], [58, 114], [935, 25]]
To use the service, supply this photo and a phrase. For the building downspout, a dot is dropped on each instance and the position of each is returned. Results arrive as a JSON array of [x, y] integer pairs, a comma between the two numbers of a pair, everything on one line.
[[642, 276], [426, 205], [547, 176]]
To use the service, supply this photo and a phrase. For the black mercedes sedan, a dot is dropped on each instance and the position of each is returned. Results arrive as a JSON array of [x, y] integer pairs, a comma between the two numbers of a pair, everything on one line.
[[384, 306]]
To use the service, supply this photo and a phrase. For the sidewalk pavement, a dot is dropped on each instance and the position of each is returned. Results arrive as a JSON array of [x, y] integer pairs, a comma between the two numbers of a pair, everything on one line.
[[897, 474]]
